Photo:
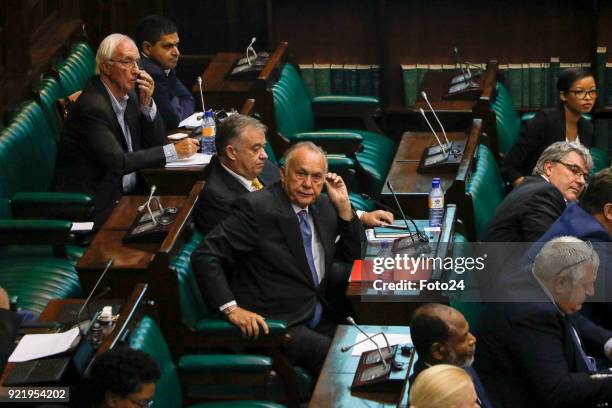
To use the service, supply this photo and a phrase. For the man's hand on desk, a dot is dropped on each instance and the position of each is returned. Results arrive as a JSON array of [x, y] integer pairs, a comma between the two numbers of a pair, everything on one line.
[[248, 322], [376, 218], [186, 147]]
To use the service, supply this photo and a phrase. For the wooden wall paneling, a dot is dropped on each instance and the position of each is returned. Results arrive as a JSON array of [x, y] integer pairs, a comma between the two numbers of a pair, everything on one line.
[[339, 31], [507, 30]]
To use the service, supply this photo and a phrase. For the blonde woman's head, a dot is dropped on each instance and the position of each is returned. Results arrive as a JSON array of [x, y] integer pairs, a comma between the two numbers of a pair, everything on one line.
[[443, 386]]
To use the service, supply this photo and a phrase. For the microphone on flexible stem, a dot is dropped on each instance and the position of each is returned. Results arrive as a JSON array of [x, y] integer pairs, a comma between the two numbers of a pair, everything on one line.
[[86, 304], [201, 96], [350, 320], [250, 47], [466, 75], [395, 213], [146, 203], [421, 237], [434, 132], [435, 116]]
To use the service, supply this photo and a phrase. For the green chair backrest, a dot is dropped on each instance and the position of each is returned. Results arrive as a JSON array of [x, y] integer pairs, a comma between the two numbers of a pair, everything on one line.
[[486, 188], [600, 159], [27, 154], [50, 92], [292, 103], [507, 118], [147, 337]]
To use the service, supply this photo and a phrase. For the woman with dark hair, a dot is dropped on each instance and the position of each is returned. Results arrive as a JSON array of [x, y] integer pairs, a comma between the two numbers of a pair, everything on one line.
[[563, 123], [122, 378]]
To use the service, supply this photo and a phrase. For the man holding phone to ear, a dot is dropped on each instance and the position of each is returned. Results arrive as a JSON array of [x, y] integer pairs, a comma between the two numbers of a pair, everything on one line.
[[158, 41], [113, 131], [281, 242]]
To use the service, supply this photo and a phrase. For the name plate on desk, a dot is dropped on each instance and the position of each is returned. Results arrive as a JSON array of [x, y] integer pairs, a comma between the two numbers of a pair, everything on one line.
[[151, 227]]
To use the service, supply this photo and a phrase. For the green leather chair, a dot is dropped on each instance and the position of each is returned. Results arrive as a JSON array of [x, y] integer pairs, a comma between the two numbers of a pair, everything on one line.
[[50, 92], [148, 338], [295, 120], [76, 69], [600, 159], [485, 190], [507, 119]]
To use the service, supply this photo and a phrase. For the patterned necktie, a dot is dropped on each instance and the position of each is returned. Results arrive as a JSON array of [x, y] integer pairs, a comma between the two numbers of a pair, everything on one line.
[[307, 238], [257, 184]]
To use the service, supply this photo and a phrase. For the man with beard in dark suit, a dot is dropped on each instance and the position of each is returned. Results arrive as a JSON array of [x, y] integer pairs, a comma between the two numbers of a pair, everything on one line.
[[111, 131], [282, 240]]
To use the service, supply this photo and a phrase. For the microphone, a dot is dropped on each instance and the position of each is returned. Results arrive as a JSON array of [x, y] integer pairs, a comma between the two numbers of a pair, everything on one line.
[[142, 207], [466, 75], [434, 133], [250, 47], [421, 237], [201, 95], [435, 116], [344, 349], [86, 304], [395, 213]]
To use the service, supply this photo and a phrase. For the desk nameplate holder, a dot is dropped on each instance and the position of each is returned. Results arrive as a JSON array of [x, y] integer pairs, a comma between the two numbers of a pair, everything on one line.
[[433, 159], [372, 376], [145, 230]]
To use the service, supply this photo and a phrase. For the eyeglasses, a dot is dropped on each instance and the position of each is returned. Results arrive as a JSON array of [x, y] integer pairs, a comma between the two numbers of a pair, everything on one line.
[[578, 172], [128, 63], [141, 403], [316, 177], [582, 94], [583, 260]]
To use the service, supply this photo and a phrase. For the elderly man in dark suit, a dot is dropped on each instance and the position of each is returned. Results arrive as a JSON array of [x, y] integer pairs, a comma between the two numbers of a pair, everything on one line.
[[158, 40], [282, 240], [111, 132], [541, 353]]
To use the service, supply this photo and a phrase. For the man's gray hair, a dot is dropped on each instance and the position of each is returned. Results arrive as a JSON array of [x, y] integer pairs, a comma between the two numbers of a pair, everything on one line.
[[564, 256], [232, 127], [290, 152], [107, 49], [557, 151]]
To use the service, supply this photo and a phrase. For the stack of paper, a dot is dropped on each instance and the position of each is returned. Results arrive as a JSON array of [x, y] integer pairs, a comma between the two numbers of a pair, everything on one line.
[[35, 346]]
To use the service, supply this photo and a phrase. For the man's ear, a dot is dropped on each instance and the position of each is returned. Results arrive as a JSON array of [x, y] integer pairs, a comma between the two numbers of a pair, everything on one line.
[[146, 48], [607, 211], [548, 168], [561, 284], [438, 351], [230, 152]]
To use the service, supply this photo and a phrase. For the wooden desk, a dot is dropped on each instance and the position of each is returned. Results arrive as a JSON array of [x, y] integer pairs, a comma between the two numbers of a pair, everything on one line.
[[412, 188], [374, 307], [333, 386], [128, 315]]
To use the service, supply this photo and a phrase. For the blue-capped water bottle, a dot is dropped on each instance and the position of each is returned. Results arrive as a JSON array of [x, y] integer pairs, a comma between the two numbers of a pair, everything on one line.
[[209, 130], [436, 204]]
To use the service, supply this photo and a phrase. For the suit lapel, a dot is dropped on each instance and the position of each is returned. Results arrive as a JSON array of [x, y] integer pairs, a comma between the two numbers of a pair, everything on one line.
[[132, 118], [118, 132], [290, 227]]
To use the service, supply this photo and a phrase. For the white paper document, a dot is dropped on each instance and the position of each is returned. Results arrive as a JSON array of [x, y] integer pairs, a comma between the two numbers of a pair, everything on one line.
[[380, 340], [82, 226], [34, 346], [198, 159], [192, 121], [177, 136]]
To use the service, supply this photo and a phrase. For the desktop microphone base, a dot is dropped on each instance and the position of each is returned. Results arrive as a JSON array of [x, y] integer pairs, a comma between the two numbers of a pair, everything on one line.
[[145, 231], [372, 376], [434, 161]]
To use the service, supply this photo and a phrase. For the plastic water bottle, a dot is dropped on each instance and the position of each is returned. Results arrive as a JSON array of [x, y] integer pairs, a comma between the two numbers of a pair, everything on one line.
[[436, 204], [209, 130]]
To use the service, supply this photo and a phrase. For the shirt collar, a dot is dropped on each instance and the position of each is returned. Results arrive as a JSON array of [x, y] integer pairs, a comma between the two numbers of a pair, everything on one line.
[[248, 184], [118, 106], [297, 208]]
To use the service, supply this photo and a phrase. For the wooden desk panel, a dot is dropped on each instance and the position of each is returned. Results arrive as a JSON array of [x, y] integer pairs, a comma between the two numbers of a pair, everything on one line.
[[333, 386]]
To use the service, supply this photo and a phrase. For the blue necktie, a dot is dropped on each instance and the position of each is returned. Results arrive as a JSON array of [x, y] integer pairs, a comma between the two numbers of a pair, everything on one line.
[[589, 361], [307, 238]]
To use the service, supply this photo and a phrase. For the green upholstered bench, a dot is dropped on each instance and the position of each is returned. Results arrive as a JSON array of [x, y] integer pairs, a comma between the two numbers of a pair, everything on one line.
[[507, 119], [147, 337], [295, 120]]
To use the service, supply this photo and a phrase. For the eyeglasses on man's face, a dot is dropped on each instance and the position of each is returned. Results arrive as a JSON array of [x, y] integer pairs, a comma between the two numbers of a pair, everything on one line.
[[141, 403], [128, 62], [577, 170], [582, 94]]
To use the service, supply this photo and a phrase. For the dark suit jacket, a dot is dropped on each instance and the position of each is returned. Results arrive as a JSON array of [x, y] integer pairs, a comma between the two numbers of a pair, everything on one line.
[[9, 327], [526, 357], [173, 99], [92, 153], [220, 192], [262, 239], [546, 128], [526, 213], [480, 390]]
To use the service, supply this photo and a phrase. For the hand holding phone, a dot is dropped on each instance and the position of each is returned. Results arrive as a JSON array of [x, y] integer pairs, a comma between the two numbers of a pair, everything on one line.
[[146, 86]]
